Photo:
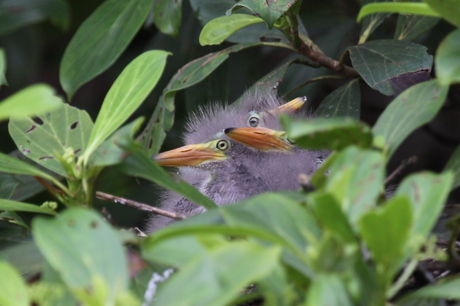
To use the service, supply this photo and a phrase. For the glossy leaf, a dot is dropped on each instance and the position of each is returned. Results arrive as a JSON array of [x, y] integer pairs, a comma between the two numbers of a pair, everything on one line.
[[217, 30], [223, 272], [386, 232], [13, 165], [428, 193], [192, 73], [167, 16], [382, 63], [86, 253], [352, 168], [62, 129], [20, 13], [13, 288], [269, 11], [332, 134], [409, 27], [139, 164], [100, 40], [413, 108], [328, 289], [19, 206], [33, 100], [448, 9], [448, 59], [3, 80], [398, 7], [342, 102], [126, 95]]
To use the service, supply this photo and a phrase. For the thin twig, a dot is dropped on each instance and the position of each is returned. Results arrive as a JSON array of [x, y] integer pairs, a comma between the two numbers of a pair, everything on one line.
[[138, 205], [397, 171]]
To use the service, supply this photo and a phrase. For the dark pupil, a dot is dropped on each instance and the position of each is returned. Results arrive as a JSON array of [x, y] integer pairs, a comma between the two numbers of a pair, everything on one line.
[[221, 145], [253, 121]]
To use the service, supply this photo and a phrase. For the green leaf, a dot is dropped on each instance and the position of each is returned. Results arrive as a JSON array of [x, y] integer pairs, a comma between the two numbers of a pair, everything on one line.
[[111, 151], [386, 232], [87, 254], [126, 95], [3, 80], [217, 30], [372, 22], [13, 288], [328, 289], [192, 73], [382, 63], [33, 100], [100, 40], [223, 272], [206, 10], [139, 164], [8, 184], [447, 9], [397, 7], [15, 14], [409, 27], [19, 206], [454, 165], [331, 216], [333, 134], [179, 251], [428, 193], [351, 172], [13, 165], [413, 108], [269, 11], [342, 102], [447, 289], [61, 129], [448, 59], [167, 16]]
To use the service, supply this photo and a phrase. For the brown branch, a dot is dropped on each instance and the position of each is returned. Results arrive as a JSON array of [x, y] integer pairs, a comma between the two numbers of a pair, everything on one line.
[[397, 171], [138, 205]]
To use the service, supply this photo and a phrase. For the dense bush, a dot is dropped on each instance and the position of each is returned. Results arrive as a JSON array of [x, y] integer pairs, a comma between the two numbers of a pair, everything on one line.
[[337, 241]]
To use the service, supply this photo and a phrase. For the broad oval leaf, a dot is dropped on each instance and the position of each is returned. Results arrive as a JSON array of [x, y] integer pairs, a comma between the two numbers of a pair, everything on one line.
[[269, 11], [99, 41], [401, 8], [86, 252], [409, 27], [33, 100], [372, 22], [332, 134], [386, 232], [17, 14], [192, 73], [454, 165], [12, 286], [167, 16], [342, 102], [428, 193], [126, 95], [447, 9], [217, 30], [328, 289], [448, 59], [222, 271], [19, 206], [40, 139], [391, 66], [414, 107]]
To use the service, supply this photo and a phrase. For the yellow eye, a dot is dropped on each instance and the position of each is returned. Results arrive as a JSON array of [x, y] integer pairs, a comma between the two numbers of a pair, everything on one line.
[[253, 121], [222, 145]]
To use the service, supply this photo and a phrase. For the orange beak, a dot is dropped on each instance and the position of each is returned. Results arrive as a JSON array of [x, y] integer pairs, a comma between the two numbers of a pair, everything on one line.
[[190, 155], [289, 107], [262, 139]]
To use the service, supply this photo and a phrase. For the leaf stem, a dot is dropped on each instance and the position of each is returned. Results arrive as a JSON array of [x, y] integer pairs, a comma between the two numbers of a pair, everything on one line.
[[408, 270]]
